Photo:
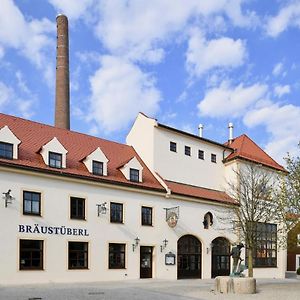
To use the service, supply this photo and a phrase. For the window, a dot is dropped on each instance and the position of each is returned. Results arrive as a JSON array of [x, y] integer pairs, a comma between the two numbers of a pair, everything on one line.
[[31, 203], [31, 255], [187, 150], [78, 255], [146, 216], [6, 150], [265, 252], [213, 158], [298, 240], [116, 256], [97, 167], [77, 208], [200, 154], [116, 212], [173, 147], [134, 175], [55, 160]]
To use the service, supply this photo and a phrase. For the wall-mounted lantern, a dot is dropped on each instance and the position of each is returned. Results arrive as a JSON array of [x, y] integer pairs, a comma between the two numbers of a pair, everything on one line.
[[164, 245], [137, 241]]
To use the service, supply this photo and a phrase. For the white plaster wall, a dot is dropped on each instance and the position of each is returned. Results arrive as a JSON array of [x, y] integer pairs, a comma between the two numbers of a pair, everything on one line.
[[55, 212], [177, 166], [141, 137]]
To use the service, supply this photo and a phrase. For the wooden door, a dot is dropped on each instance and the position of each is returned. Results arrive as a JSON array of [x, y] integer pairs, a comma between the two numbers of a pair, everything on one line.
[[146, 261]]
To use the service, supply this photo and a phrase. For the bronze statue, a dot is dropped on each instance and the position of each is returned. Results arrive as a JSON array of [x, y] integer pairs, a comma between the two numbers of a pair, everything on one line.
[[237, 268]]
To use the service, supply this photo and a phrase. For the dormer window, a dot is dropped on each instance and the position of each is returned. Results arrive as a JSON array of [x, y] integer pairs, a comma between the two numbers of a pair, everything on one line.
[[6, 150], [97, 167], [134, 175], [55, 160]]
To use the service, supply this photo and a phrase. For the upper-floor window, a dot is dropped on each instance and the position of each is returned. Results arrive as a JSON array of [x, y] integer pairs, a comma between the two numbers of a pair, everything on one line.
[[97, 167], [116, 212], [146, 216], [55, 160], [78, 255], [31, 255], [213, 158], [6, 150], [200, 154], [134, 175], [187, 150], [173, 147], [31, 203], [77, 208]]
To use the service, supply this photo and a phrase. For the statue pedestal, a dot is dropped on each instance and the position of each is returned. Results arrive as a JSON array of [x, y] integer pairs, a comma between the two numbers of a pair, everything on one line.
[[235, 285]]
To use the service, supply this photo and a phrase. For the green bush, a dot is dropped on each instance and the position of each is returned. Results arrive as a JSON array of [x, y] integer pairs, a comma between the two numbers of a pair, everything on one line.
[[298, 271]]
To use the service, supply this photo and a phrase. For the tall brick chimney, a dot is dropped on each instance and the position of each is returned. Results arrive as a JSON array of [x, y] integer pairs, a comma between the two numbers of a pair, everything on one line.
[[62, 91]]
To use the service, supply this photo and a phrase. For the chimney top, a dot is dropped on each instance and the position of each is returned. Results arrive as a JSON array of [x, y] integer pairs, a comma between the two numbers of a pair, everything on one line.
[[200, 128], [230, 127]]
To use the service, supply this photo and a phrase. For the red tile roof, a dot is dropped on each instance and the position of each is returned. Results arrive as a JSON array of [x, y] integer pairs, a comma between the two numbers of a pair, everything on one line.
[[199, 192], [245, 148], [34, 135]]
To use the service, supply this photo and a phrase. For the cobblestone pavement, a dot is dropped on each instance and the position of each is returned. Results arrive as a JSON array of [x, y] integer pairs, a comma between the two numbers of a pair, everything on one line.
[[268, 289]]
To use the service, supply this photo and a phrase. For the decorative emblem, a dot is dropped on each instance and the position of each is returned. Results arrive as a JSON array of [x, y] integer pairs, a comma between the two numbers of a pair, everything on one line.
[[172, 219]]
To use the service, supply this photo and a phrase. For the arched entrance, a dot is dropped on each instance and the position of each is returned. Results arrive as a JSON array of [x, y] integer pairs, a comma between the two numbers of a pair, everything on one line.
[[220, 259], [188, 257]]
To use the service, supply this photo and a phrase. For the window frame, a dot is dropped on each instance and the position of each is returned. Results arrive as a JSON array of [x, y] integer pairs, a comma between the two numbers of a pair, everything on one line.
[[5, 150], [85, 253], [213, 158], [77, 216], [31, 200], [173, 146], [122, 256], [134, 177], [56, 160], [202, 154], [31, 251], [188, 150], [266, 247], [94, 168], [143, 220], [114, 219]]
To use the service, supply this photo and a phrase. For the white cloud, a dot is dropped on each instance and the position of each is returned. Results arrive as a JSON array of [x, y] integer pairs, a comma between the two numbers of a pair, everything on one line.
[[119, 91], [280, 90], [5, 93], [133, 28], [30, 38], [288, 16], [278, 68], [227, 100], [203, 55], [73, 9], [284, 130]]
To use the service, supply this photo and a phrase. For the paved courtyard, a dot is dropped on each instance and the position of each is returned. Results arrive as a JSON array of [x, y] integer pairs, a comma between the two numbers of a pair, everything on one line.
[[287, 289]]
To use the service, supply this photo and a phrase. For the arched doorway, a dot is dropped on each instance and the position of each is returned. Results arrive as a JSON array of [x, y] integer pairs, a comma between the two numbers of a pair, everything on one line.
[[188, 257], [220, 259]]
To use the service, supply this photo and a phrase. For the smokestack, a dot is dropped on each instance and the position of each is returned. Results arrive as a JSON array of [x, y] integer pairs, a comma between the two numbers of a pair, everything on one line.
[[200, 129], [62, 91], [230, 127]]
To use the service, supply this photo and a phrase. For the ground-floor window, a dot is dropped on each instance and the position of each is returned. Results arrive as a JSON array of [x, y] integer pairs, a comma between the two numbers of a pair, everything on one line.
[[116, 256], [78, 255], [265, 245], [31, 255]]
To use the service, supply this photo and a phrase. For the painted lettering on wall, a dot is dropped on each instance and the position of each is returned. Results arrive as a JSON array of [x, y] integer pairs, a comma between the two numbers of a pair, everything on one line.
[[60, 230]]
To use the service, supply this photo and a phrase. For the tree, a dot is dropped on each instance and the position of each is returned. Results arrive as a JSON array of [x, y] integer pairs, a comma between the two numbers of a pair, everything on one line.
[[291, 185], [256, 189]]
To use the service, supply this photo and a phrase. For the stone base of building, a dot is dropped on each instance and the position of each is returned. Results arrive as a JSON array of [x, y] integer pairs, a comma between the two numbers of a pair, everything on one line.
[[235, 285]]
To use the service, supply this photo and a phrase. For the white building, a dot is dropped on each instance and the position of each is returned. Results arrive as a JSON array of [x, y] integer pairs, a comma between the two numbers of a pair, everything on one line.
[[80, 208]]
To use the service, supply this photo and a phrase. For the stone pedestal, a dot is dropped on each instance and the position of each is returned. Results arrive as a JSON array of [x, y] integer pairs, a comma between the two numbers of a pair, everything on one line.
[[236, 285]]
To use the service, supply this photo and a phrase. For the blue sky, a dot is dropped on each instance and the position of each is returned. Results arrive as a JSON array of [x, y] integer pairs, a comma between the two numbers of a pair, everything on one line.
[[182, 62]]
